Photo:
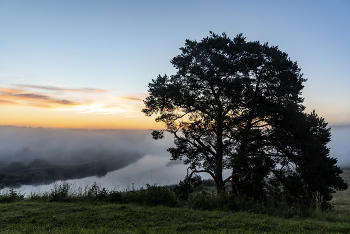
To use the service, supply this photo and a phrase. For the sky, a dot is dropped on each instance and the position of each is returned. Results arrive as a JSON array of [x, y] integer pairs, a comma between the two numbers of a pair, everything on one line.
[[87, 64]]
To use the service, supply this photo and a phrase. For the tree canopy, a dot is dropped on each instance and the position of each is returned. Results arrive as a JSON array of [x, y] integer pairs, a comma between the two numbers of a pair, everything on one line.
[[236, 105]]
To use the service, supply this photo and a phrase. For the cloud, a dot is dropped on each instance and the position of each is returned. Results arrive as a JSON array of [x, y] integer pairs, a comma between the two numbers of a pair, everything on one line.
[[81, 100], [54, 154], [132, 98], [174, 163], [6, 102], [53, 88], [98, 107], [19, 97]]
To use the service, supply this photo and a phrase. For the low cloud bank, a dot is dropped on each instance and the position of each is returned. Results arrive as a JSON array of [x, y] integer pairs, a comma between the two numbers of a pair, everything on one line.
[[35, 156], [340, 144]]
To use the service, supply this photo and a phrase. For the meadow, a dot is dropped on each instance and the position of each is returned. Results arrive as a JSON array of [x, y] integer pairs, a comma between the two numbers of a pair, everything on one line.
[[156, 209], [341, 199]]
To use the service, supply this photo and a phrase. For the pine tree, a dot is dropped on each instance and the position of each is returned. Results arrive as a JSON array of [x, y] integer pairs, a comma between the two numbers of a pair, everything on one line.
[[236, 105]]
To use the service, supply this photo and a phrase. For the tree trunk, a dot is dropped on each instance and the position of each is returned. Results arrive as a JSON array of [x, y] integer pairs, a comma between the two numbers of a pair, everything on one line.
[[234, 180], [219, 183], [220, 189]]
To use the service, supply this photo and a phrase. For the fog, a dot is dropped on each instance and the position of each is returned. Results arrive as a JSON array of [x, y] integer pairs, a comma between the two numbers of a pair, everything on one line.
[[116, 159], [113, 158], [340, 144]]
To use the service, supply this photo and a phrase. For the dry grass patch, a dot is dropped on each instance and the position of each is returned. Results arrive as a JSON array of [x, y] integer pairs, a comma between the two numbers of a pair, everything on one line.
[[341, 199]]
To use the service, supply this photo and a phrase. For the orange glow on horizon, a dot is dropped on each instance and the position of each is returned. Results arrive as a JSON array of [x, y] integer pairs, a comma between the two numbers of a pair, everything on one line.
[[27, 116], [88, 108], [65, 107], [36, 117]]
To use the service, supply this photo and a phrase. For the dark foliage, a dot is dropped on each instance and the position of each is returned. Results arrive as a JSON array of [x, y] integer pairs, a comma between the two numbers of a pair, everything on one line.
[[187, 186], [152, 195], [11, 196], [208, 183], [237, 105]]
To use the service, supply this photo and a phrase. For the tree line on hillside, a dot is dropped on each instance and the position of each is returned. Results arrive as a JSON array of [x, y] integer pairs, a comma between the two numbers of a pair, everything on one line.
[[40, 171]]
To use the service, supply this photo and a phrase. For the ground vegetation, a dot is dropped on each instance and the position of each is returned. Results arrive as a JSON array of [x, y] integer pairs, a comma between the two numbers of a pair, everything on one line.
[[153, 209]]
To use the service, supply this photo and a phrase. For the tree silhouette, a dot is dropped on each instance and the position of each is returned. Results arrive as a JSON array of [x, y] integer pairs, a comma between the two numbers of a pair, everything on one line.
[[237, 105]]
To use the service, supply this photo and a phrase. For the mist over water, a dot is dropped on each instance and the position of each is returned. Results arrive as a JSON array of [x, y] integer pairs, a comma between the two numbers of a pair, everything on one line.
[[62, 146], [340, 144], [129, 158]]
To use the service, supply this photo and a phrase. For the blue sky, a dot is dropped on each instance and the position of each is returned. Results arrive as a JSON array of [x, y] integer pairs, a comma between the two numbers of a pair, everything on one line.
[[118, 47]]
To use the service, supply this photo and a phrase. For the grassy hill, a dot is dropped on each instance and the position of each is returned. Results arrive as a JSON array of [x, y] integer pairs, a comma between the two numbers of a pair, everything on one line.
[[341, 199]]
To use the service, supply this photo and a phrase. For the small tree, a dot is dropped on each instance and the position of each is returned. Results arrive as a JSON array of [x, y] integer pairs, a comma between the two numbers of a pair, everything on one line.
[[237, 105]]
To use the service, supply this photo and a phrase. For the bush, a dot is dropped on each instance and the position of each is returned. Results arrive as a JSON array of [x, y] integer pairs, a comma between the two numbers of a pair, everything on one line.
[[60, 192], [208, 183], [114, 197], [153, 195], [188, 186], [96, 193], [209, 201], [11, 196]]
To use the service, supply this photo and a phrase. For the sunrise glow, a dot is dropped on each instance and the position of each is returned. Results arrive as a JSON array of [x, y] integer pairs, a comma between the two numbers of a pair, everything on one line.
[[67, 66], [57, 107]]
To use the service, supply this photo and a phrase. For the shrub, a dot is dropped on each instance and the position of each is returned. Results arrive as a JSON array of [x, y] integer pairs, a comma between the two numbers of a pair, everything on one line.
[[11, 196], [209, 201], [60, 192], [187, 186], [153, 195], [114, 197], [208, 183], [96, 193]]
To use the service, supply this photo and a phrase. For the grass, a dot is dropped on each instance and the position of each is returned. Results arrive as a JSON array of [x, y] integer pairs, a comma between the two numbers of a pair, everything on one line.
[[43, 217], [341, 199], [96, 210]]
